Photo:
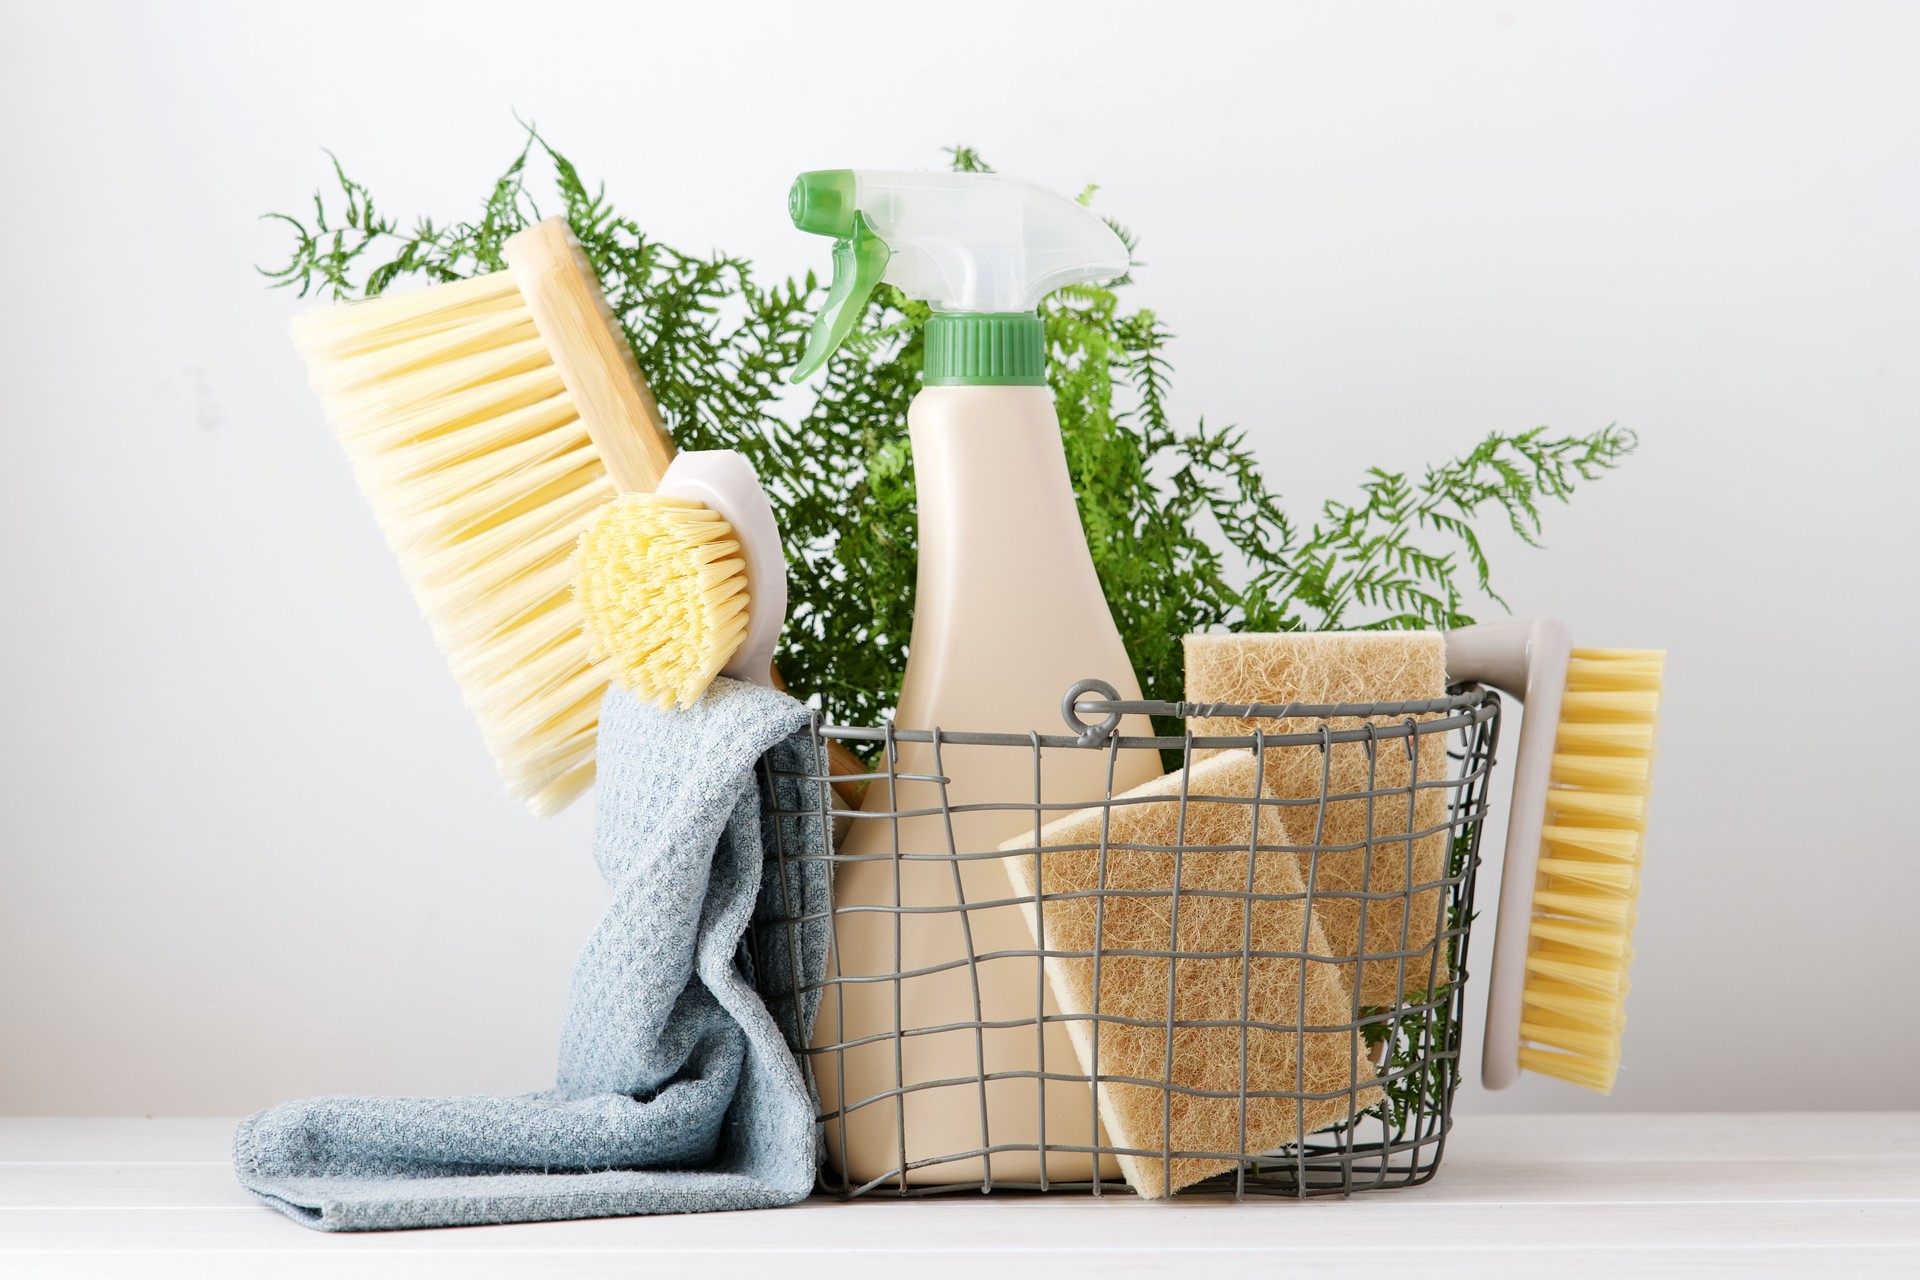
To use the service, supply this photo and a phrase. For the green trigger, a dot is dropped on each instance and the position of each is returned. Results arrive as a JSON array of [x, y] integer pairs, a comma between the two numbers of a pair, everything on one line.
[[858, 263]]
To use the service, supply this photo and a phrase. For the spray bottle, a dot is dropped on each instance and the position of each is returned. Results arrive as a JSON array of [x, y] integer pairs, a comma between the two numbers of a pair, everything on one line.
[[1009, 613]]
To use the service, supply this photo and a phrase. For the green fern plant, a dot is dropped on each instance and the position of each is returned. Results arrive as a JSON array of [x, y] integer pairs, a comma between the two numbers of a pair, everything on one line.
[[1185, 533]]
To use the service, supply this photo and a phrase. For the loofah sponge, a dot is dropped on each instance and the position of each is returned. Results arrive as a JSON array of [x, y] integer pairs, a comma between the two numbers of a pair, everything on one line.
[[1137, 915], [1396, 954]]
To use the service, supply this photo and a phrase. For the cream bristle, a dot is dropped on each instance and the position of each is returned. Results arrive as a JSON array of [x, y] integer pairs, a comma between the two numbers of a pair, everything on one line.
[[1614, 909], [1610, 706], [1605, 739], [1573, 1002], [663, 587], [482, 476], [1606, 873], [1588, 1073], [1585, 900], [1607, 843], [1579, 935], [1581, 969], [1614, 772], [1570, 1035], [1608, 808]]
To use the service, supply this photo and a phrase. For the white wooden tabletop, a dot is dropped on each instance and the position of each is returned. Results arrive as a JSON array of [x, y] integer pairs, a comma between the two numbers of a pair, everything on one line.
[[1582, 1195]]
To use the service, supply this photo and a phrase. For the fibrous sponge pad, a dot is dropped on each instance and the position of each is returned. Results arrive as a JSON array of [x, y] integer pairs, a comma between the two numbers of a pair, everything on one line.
[[1223, 916], [1364, 846]]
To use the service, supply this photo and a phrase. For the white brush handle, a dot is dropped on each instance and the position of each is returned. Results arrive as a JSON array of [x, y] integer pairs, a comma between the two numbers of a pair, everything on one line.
[[1526, 660], [726, 483]]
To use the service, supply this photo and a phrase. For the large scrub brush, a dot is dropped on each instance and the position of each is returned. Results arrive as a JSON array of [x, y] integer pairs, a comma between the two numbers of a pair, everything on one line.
[[486, 421], [1570, 878]]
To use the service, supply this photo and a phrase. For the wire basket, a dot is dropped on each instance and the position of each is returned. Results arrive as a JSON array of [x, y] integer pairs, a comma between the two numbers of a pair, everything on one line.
[[956, 1046]]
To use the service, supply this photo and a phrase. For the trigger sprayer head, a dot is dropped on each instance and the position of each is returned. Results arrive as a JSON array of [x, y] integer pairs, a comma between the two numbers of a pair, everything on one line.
[[980, 249]]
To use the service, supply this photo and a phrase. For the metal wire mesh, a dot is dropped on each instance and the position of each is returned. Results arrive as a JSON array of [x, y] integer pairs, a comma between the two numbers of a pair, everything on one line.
[[969, 1088]]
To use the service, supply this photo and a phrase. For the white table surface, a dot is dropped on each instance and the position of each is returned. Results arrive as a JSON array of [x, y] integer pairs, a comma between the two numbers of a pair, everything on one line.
[[1557, 1196]]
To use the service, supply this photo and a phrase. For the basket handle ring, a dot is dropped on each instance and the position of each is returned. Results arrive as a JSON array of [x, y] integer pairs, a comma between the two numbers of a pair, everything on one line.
[[1090, 735]]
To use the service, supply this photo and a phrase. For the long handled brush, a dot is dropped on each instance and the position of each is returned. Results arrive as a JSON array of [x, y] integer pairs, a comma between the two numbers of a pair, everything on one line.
[[1576, 833], [486, 421]]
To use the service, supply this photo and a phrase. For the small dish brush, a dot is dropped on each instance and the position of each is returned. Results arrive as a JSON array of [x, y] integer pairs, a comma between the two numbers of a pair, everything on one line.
[[687, 583], [1576, 832]]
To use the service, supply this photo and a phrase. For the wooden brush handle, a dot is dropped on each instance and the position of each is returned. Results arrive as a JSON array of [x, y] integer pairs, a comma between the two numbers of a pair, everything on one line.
[[598, 368], [592, 354], [851, 776]]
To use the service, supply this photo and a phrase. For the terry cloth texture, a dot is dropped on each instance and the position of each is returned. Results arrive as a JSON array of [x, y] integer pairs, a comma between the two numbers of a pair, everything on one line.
[[1242, 995], [678, 1090]]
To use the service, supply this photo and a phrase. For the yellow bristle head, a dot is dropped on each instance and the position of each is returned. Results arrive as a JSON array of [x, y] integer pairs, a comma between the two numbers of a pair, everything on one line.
[[470, 450], [1585, 899], [663, 588]]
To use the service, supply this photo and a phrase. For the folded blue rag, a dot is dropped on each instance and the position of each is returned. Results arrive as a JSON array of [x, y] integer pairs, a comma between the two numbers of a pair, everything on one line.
[[678, 1090]]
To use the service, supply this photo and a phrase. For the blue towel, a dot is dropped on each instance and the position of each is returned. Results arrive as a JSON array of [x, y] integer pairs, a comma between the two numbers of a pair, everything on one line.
[[678, 1090]]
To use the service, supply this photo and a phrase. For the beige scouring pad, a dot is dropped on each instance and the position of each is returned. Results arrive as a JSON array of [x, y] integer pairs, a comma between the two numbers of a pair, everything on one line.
[[1222, 916], [1364, 848]]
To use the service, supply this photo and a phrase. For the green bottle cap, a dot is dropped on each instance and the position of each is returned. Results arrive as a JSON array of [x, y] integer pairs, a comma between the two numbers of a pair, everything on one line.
[[985, 349]]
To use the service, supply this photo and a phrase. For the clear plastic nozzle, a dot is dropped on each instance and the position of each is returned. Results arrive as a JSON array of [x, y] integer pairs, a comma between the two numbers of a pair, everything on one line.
[[960, 242]]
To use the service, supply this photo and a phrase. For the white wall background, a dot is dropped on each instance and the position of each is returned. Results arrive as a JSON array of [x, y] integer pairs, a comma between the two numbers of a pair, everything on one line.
[[252, 847]]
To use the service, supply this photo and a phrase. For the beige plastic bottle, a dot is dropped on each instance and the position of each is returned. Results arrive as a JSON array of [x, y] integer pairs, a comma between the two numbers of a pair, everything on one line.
[[1008, 614]]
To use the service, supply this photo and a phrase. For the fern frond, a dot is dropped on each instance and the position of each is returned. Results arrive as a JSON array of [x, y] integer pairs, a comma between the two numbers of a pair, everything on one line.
[[1185, 532]]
